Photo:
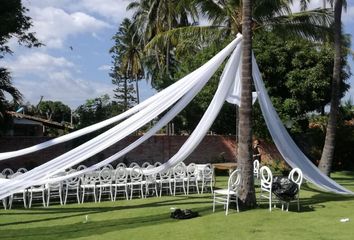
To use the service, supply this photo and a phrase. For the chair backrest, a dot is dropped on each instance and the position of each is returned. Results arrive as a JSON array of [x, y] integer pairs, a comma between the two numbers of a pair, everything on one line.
[[7, 172], [157, 164], [90, 178], [296, 176], [81, 167], [56, 184], [133, 164], [192, 170], [151, 177], [255, 166], [105, 175], [74, 181], [136, 175], [23, 170], [207, 172], [145, 165], [121, 165], [165, 175], [179, 171], [234, 182], [121, 175], [109, 166], [266, 178]]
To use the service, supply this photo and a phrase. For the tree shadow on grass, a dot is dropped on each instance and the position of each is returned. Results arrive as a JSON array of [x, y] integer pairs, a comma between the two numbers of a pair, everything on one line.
[[91, 228], [83, 210]]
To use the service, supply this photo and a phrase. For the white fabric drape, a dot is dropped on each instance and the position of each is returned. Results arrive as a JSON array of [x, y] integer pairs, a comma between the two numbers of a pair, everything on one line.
[[285, 144], [88, 149]]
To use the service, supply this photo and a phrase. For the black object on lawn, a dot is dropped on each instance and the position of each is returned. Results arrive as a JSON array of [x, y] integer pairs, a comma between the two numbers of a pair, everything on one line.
[[183, 214], [284, 188]]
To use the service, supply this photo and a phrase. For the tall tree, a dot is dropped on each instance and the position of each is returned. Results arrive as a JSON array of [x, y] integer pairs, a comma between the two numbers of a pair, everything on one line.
[[13, 24], [128, 66], [326, 161], [244, 160]]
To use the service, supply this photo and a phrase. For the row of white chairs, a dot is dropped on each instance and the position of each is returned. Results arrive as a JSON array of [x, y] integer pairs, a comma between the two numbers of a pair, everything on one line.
[[122, 180], [7, 172]]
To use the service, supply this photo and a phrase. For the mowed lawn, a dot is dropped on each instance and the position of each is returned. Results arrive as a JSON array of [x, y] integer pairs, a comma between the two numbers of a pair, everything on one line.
[[148, 218]]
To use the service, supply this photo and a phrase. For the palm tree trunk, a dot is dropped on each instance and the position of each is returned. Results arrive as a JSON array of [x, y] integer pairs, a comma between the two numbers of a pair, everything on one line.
[[245, 115], [326, 161]]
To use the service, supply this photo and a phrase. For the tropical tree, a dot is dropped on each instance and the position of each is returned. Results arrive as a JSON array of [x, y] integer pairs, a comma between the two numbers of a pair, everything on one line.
[[14, 24], [326, 161], [127, 53], [244, 160], [153, 17]]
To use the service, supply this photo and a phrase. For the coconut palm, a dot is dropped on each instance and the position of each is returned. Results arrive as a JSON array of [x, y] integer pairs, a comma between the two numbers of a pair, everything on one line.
[[245, 111], [326, 161], [7, 87]]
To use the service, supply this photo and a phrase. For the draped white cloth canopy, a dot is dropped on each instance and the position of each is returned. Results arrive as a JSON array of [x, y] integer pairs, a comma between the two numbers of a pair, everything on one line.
[[175, 97]]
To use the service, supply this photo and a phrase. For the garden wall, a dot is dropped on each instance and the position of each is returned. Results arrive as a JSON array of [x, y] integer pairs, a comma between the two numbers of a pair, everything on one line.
[[160, 148]]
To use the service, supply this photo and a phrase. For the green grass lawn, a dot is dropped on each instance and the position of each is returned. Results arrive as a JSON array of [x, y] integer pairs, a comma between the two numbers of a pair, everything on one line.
[[146, 219]]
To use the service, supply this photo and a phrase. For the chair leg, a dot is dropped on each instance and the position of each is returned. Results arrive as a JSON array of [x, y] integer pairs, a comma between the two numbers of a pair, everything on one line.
[[227, 204], [48, 197], [238, 210], [43, 199], [214, 203], [83, 195]]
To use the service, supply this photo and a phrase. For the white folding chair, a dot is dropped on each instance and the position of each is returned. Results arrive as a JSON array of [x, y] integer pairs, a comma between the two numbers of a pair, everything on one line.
[[37, 192], [296, 176], [105, 183], [207, 177], [120, 182], [256, 168], [88, 184], [179, 175], [224, 196], [55, 189], [151, 183], [192, 177], [266, 185], [165, 181], [136, 181], [19, 195], [72, 187]]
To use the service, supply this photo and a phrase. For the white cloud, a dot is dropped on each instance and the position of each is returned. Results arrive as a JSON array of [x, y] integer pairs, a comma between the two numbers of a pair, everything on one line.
[[104, 68], [37, 63], [54, 25]]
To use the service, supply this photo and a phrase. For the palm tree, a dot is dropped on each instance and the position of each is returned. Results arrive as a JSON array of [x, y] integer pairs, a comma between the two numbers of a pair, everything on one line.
[[326, 161], [128, 52], [7, 87], [245, 162], [153, 17]]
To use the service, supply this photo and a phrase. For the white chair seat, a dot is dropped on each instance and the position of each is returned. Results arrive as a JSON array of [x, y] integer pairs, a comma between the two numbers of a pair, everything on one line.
[[225, 191]]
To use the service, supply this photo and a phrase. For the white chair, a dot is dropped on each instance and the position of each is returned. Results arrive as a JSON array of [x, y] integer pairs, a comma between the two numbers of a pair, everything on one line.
[[120, 182], [207, 178], [151, 183], [224, 196], [19, 195], [72, 187], [105, 183], [37, 192], [192, 177], [136, 181], [179, 175], [22, 170], [256, 168], [88, 184], [7, 172], [165, 181], [266, 185], [55, 189], [296, 176]]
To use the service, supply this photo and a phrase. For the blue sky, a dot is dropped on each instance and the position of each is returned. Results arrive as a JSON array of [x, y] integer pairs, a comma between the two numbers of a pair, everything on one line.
[[74, 64]]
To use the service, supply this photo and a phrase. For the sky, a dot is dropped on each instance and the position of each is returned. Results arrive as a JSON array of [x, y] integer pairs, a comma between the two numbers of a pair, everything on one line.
[[74, 64]]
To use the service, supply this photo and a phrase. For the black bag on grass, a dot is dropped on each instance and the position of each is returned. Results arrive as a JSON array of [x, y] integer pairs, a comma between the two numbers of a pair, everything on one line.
[[183, 214], [284, 188]]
